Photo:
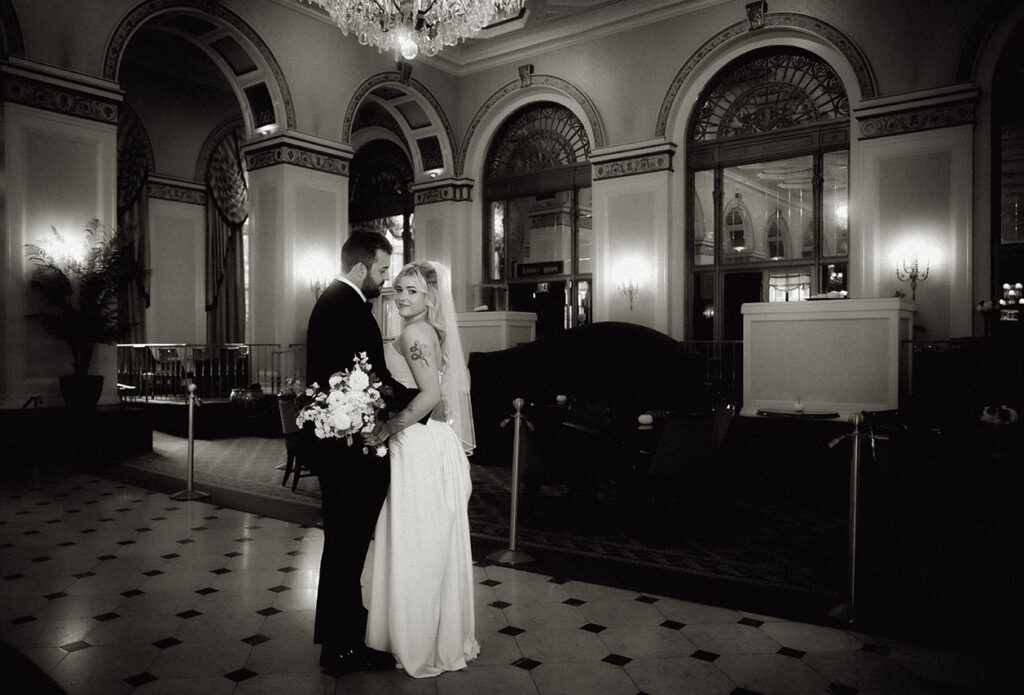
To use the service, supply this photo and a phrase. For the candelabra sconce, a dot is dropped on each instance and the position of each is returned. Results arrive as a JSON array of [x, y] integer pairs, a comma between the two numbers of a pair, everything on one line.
[[912, 271], [1009, 305], [629, 288], [317, 286]]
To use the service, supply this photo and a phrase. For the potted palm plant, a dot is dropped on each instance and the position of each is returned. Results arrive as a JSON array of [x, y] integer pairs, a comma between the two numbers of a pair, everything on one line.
[[78, 286]]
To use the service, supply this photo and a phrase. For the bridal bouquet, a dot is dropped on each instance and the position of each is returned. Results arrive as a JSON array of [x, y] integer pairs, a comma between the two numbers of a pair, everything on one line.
[[348, 407]]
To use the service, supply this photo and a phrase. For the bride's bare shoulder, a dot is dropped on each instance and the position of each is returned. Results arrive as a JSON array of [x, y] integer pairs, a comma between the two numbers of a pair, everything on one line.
[[418, 332]]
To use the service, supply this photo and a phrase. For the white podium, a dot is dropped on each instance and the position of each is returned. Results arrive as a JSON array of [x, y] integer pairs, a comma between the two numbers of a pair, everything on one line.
[[487, 331], [830, 356]]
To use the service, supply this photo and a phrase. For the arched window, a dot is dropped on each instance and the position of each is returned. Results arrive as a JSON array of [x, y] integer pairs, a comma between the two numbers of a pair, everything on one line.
[[777, 232], [537, 216], [768, 166]]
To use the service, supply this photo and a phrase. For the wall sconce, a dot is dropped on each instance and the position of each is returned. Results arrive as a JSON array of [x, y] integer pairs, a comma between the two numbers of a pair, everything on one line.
[[1009, 305], [629, 288], [912, 272], [318, 271]]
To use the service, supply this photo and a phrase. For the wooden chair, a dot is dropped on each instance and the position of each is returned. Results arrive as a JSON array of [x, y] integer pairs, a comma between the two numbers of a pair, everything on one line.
[[294, 466]]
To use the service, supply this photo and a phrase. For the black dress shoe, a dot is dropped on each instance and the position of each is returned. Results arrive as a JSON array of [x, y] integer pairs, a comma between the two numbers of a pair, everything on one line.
[[339, 664], [377, 660], [356, 659]]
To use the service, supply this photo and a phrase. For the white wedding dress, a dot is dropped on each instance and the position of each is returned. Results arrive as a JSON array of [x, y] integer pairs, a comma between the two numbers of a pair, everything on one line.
[[421, 586]]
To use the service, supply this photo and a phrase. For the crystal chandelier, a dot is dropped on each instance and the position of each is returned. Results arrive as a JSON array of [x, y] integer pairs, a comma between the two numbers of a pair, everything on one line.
[[411, 27]]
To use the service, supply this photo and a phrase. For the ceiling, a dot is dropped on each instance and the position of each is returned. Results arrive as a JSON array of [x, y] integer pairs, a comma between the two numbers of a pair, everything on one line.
[[545, 25]]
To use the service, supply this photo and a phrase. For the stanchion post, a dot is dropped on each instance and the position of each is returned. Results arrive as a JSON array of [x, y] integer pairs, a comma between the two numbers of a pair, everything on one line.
[[845, 611], [188, 493], [512, 556]]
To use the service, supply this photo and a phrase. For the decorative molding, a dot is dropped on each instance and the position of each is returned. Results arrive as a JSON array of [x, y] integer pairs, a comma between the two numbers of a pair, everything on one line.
[[131, 23], [556, 83], [631, 166], [443, 192], [60, 98], [755, 14], [176, 191], [525, 74], [772, 20], [918, 119], [261, 156]]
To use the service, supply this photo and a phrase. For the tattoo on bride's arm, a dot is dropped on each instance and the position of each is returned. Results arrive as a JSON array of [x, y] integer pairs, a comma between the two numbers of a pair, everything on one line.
[[418, 351]]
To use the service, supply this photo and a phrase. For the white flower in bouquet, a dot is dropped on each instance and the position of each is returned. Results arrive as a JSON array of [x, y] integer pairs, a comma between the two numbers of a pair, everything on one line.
[[350, 405]]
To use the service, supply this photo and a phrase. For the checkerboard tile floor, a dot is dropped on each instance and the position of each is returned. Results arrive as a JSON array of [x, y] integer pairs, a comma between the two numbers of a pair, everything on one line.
[[114, 589]]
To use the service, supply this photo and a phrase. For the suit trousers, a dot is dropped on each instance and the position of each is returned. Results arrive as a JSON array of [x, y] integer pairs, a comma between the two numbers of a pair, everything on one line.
[[353, 488]]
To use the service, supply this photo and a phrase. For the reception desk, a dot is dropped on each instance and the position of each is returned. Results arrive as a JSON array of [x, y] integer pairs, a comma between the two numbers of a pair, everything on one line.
[[488, 331], [837, 356]]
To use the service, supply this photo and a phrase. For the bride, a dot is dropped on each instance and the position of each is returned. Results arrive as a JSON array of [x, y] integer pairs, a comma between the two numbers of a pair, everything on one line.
[[421, 589]]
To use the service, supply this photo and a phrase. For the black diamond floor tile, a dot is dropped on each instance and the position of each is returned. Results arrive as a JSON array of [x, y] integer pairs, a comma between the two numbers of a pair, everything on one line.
[[616, 659], [573, 602], [643, 598], [704, 656], [511, 631], [256, 639], [593, 627], [140, 679], [269, 611], [795, 653], [206, 590], [104, 617], [75, 646], [751, 622], [167, 642], [673, 625], [240, 675], [490, 582], [188, 614], [526, 664], [500, 604], [279, 588]]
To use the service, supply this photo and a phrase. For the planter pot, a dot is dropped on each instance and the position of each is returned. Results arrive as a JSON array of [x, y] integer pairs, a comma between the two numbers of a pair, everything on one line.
[[81, 392]]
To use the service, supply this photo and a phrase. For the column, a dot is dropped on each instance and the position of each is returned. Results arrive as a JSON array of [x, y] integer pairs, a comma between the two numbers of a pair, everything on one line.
[[60, 150], [635, 252], [444, 232], [298, 220]]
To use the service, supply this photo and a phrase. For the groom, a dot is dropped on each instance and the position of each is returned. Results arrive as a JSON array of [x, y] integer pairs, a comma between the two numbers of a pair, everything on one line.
[[353, 485]]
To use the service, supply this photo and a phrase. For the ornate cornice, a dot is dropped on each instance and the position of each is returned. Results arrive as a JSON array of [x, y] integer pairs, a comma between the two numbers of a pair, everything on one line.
[[443, 192], [929, 117], [772, 20], [63, 98], [557, 83], [257, 157], [631, 166], [178, 192]]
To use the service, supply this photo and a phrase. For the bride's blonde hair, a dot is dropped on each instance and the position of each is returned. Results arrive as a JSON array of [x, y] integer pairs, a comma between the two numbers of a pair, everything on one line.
[[424, 277]]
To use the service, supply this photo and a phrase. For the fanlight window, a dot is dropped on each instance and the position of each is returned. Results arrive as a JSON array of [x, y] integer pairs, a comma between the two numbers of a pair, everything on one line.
[[770, 91]]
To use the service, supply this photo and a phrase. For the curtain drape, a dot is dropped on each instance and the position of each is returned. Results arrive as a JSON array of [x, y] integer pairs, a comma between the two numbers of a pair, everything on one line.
[[134, 162], [227, 210]]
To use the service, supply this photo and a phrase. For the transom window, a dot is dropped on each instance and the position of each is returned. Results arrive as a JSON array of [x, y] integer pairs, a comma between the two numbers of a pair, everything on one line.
[[768, 187]]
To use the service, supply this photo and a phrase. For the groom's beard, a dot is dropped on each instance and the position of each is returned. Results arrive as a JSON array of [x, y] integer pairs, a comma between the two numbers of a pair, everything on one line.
[[370, 288]]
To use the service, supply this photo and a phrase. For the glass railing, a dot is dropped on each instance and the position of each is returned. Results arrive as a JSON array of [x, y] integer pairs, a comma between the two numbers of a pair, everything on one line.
[[148, 371]]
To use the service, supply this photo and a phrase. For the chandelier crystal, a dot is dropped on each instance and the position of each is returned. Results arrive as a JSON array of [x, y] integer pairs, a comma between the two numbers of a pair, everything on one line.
[[411, 27]]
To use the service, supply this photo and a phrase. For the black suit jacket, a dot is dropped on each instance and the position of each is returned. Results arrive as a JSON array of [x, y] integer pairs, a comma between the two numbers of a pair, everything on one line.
[[341, 326]]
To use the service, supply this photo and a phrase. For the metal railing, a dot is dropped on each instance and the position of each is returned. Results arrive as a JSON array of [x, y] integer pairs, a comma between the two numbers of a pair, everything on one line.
[[148, 371]]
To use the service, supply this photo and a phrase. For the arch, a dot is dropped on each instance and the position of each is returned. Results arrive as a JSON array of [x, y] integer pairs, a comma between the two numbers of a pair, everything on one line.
[[251, 97], [10, 30], [986, 41], [414, 91], [510, 98], [780, 28]]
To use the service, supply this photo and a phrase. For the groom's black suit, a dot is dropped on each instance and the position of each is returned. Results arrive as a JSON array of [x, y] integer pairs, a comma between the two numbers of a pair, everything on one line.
[[353, 485]]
